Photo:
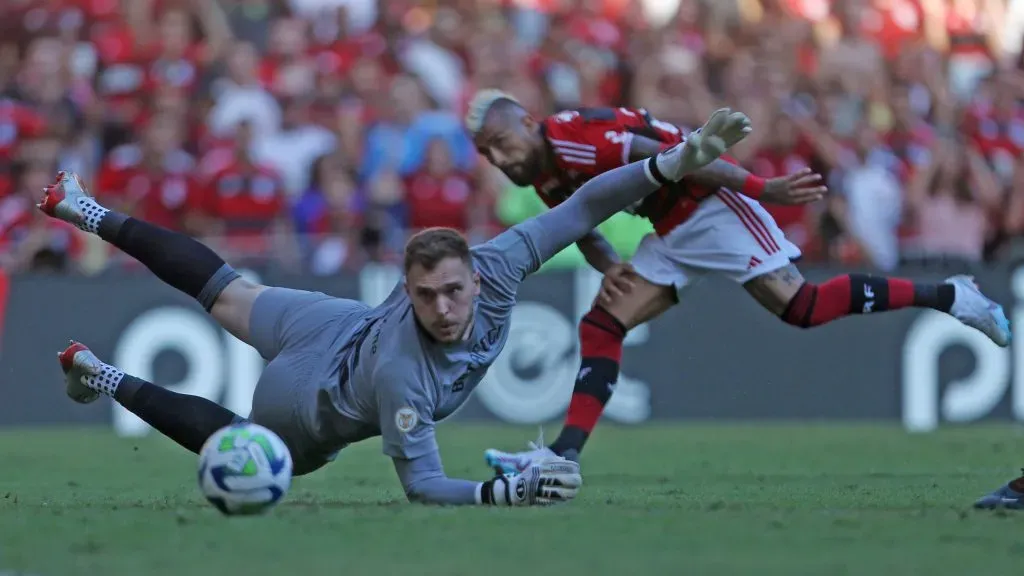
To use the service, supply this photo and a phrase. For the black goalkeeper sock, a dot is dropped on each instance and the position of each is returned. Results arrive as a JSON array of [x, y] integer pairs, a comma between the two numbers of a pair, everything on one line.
[[177, 259], [188, 420]]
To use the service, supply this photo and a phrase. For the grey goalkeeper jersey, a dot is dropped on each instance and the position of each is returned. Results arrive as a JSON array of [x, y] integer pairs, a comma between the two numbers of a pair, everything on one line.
[[397, 382]]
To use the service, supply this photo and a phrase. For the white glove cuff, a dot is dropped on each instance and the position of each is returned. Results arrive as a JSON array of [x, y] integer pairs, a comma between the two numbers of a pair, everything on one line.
[[498, 492], [653, 171]]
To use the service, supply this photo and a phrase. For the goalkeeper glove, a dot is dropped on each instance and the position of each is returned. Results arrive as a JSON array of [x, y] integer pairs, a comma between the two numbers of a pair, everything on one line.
[[542, 483], [723, 130]]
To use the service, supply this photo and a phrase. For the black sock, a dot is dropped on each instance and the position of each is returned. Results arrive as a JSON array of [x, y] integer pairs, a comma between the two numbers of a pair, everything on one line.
[[188, 420], [937, 296], [177, 259]]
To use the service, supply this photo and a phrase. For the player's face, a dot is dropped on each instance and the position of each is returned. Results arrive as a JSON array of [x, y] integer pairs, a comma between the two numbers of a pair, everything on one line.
[[514, 147], [442, 298]]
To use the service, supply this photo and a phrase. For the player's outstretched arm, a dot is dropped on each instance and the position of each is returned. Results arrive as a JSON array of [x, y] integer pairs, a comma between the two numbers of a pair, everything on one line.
[[544, 483], [613, 191], [508, 258], [407, 431], [801, 187]]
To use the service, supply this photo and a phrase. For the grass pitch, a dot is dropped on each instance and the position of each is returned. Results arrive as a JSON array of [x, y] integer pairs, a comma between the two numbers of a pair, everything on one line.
[[701, 500]]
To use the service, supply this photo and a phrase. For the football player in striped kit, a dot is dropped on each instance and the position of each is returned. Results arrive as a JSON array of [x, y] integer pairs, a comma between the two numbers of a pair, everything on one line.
[[711, 222]]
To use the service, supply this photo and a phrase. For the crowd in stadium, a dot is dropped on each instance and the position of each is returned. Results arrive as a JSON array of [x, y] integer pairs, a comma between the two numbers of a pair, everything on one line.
[[315, 134]]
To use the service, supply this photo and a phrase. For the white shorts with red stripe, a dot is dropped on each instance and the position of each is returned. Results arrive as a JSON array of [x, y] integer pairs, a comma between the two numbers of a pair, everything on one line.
[[729, 234]]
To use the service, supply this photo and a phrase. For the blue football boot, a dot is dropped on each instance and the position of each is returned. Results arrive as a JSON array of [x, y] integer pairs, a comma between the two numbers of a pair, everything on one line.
[[1010, 495]]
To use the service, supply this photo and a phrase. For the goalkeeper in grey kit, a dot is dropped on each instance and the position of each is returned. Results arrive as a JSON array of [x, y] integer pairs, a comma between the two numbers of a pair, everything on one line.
[[340, 371]]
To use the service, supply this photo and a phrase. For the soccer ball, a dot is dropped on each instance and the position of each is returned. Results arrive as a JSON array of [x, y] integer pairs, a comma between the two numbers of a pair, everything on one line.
[[244, 469]]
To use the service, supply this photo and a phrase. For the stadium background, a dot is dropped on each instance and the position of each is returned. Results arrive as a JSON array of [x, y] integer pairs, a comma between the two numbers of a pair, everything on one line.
[[351, 110]]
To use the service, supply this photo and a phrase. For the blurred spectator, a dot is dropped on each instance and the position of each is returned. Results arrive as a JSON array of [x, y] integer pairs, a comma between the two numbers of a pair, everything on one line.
[[243, 203], [240, 96], [251, 20], [247, 122], [328, 217], [386, 218], [152, 179], [399, 139], [874, 201], [950, 202], [291, 150], [28, 239], [437, 194], [18, 122]]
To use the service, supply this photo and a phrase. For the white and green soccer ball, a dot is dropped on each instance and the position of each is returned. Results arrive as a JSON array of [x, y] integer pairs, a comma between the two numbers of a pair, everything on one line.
[[244, 469]]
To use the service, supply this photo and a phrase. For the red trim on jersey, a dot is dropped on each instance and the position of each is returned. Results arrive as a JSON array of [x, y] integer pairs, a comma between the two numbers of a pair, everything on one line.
[[574, 153], [760, 223], [754, 218], [751, 221]]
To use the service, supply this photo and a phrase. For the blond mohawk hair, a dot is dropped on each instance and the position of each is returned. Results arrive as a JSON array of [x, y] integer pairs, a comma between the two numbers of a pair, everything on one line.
[[481, 104]]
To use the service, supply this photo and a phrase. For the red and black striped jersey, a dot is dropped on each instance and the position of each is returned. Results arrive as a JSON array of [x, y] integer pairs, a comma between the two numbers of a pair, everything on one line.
[[589, 141]]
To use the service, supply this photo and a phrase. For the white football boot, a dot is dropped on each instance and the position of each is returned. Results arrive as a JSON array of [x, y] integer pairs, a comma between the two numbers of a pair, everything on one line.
[[974, 309], [68, 200], [516, 462], [80, 365]]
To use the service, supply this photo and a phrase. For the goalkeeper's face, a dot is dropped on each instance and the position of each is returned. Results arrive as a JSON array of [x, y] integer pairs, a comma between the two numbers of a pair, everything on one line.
[[515, 146], [442, 297]]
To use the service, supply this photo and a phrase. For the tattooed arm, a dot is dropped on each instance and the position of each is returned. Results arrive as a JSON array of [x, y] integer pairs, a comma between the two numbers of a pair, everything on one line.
[[800, 187]]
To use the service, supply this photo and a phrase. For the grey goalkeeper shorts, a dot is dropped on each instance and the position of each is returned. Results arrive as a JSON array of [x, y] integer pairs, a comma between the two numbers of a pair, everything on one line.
[[301, 334]]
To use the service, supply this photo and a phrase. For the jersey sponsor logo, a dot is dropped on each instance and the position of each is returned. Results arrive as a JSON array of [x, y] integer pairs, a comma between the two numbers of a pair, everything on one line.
[[376, 339], [566, 116], [406, 419], [460, 384], [478, 357], [869, 299]]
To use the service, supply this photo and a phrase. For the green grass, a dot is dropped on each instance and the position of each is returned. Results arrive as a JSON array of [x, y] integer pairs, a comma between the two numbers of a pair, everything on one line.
[[728, 500]]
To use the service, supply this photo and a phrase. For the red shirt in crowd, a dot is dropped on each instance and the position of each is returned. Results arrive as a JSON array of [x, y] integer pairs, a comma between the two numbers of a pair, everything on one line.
[[893, 24], [248, 200], [999, 137], [774, 163], [442, 201], [17, 122], [156, 194], [19, 218]]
